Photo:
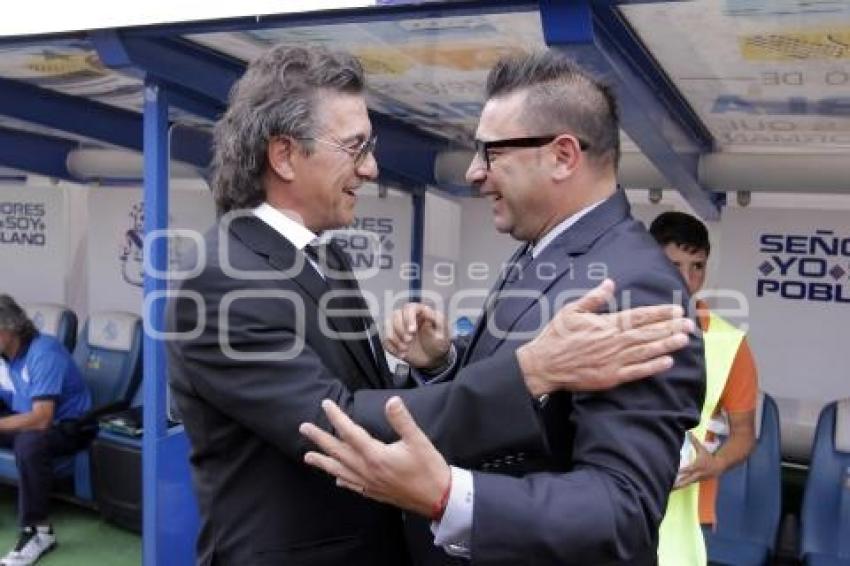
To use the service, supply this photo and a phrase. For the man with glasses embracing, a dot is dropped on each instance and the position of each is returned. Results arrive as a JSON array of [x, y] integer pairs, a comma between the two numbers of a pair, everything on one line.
[[274, 323], [547, 148]]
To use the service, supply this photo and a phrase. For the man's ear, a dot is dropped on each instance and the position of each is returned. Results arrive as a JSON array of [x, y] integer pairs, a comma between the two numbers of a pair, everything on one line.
[[568, 156], [279, 153]]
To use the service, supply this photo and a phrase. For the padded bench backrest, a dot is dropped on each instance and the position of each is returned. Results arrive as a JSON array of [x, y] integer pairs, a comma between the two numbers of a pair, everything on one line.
[[825, 514], [55, 320], [109, 355], [749, 497]]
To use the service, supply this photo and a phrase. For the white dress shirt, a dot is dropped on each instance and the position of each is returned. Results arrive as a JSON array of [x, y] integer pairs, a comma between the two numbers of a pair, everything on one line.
[[296, 233], [299, 236], [453, 531]]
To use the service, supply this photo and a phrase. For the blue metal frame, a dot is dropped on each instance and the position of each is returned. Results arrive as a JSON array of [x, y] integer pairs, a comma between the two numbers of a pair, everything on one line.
[[40, 39], [170, 514], [386, 10], [13, 178], [35, 153], [626, 2], [67, 113], [177, 61], [90, 119], [598, 37], [197, 79], [405, 155], [154, 367], [417, 241], [641, 62], [340, 16], [595, 28]]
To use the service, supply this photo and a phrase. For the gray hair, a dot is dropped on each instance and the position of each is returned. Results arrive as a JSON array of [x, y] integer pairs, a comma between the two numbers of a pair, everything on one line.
[[276, 96], [562, 97], [14, 319]]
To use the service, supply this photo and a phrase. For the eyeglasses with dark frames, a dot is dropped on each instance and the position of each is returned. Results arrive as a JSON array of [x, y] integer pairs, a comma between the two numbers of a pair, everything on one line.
[[482, 148], [358, 153]]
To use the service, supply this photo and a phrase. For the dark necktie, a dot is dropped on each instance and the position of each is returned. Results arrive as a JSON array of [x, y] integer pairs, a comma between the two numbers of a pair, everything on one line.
[[338, 276], [515, 270], [328, 257]]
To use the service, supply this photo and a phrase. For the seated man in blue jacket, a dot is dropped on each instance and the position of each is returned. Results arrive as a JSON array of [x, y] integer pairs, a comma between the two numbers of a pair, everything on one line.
[[41, 388]]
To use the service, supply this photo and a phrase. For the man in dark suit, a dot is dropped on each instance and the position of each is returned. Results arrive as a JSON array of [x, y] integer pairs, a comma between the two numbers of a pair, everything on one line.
[[546, 158], [260, 332]]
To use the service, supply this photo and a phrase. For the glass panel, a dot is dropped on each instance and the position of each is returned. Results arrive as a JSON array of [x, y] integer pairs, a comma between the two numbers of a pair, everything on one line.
[[73, 67], [764, 75], [429, 72]]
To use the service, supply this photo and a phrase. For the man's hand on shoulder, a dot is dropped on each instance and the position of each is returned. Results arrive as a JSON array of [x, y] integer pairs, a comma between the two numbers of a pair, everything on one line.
[[579, 350], [419, 335]]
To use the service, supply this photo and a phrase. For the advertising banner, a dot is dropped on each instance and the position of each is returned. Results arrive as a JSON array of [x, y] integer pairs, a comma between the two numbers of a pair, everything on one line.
[[116, 241], [73, 67], [33, 243], [761, 74], [792, 269], [426, 71]]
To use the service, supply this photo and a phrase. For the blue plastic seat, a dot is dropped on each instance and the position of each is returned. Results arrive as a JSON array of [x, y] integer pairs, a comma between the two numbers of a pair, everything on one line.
[[815, 559], [825, 515], [749, 498], [730, 551], [55, 320], [109, 356]]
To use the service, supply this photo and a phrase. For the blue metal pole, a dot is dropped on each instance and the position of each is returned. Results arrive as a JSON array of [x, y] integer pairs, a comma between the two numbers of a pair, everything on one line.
[[417, 242], [599, 38], [156, 218]]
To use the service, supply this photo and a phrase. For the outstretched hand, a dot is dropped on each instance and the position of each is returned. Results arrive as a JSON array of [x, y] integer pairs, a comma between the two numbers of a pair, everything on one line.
[[579, 350], [408, 473]]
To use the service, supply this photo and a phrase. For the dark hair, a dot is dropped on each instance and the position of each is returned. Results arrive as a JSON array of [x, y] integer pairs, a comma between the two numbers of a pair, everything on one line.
[[15, 319], [681, 229], [276, 96], [562, 97]]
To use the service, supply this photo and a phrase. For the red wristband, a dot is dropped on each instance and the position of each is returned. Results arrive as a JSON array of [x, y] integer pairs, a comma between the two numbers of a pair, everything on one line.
[[440, 506]]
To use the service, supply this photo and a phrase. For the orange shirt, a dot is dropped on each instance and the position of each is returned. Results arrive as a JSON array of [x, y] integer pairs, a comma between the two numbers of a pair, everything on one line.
[[739, 396]]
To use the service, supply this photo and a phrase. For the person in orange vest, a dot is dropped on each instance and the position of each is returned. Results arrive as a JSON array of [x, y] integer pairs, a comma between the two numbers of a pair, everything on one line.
[[730, 404]]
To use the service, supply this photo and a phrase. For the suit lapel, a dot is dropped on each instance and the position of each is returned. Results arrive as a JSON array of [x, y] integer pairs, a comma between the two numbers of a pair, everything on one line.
[[509, 305], [487, 310], [516, 299], [282, 256], [378, 360]]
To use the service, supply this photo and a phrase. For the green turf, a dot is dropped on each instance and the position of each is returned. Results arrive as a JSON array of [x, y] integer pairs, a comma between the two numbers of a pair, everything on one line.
[[84, 538]]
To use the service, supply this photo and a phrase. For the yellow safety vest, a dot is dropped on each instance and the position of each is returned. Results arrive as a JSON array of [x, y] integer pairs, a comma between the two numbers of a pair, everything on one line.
[[680, 540]]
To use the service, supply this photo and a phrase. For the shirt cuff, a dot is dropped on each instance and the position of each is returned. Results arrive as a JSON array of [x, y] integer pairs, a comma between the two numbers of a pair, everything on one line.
[[439, 374], [454, 530]]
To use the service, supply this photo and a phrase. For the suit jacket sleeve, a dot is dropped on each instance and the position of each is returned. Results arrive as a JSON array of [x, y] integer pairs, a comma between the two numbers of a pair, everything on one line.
[[454, 414], [272, 393], [607, 508]]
